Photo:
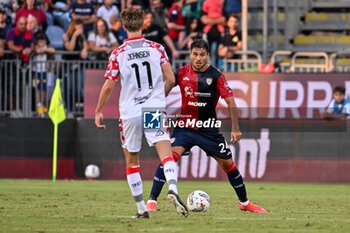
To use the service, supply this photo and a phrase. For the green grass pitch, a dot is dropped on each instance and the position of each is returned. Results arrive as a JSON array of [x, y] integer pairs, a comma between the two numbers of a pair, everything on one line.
[[106, 206]]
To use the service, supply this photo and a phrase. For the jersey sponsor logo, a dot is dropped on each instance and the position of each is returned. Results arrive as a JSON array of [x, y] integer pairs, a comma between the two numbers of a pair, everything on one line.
[[189, 92], [142, 99], [202, 94], [138, 55], [209, 81], [186, 79], [196, 104]]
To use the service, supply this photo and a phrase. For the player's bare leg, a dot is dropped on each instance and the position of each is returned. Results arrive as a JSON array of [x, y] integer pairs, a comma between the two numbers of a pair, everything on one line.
[[135, 182], [170, 171], [236, 181]]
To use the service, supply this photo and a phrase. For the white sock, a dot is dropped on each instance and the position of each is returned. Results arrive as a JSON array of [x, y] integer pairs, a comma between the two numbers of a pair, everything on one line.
[[170, 172], [244, 203], [135, 184]]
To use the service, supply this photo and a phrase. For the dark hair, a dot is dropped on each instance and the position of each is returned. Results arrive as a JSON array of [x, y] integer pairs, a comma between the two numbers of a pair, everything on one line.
[[41, 36], [146, 12], [200, 43], [234, 16], [340, 89]]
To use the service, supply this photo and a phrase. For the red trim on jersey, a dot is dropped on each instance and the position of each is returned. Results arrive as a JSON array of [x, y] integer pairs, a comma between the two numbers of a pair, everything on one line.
[[231, 168], [176, 156], [134, 38], [167, 159], [133, 169]]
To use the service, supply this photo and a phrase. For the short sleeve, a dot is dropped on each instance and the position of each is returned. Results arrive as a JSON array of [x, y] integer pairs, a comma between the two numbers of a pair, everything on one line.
[[173, 15], [223, 88], [92, 37], [112, 38], [99, 12], [330, 107], [163, 55], [10, 36], [112, 71]]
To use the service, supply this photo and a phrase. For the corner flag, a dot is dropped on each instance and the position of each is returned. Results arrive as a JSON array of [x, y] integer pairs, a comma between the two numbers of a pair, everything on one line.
[[56, 111], [57, 115]]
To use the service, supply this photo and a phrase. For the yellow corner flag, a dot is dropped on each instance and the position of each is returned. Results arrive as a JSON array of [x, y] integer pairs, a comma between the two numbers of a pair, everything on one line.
[[57, 115], [56, 111]]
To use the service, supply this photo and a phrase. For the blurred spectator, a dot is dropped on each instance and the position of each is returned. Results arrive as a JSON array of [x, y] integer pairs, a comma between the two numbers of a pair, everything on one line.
[[232, 7], [339, 108], [157, 34], [176, 22], [102, 41], [29, 8], [137, 4], [191, 33], [106, 11], [9, 7], [213, 9], [232, 40], [82, 10], [159, 13], [4, 27], [117, 29], [192, 9], [74, 40], [60, 11], [32, 26], [20, 40], [40, 70], [213, 36], [44, 5]]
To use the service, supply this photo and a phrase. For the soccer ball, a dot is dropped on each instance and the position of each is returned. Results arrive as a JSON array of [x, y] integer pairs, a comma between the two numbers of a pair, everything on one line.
[[198, 201], [92, 171]]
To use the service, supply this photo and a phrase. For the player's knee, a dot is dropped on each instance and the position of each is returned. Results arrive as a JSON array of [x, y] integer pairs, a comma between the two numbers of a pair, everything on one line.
[[176, 156], [230, 168]]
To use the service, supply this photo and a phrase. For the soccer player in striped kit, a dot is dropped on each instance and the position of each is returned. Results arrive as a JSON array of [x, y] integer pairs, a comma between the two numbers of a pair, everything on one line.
[[201, 86], [140, 65]]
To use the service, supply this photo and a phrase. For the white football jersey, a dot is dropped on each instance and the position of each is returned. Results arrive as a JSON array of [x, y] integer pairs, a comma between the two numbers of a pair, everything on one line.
[[137, 63]]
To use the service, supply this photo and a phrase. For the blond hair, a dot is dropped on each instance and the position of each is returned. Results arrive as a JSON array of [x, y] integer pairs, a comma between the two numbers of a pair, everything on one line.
[[132, 19]]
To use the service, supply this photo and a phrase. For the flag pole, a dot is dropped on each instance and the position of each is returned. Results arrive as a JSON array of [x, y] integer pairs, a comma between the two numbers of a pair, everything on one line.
[[54, 160], [57, 115]]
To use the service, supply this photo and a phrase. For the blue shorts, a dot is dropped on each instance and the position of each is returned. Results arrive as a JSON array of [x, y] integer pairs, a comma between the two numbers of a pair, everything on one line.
[[212, 142]]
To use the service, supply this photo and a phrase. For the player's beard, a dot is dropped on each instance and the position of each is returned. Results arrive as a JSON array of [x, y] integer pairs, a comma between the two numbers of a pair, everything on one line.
[[199, 67]]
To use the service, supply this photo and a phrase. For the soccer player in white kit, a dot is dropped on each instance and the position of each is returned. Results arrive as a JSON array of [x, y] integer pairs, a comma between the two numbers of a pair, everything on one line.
[[140, 65]]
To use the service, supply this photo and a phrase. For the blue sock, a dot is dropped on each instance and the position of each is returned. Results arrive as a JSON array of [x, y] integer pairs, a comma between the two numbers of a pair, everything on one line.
[[158, 183], [237, 183]]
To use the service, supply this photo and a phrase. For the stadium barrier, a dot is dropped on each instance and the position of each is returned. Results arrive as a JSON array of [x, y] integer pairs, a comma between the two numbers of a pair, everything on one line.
[[248, 61], [321, 67]]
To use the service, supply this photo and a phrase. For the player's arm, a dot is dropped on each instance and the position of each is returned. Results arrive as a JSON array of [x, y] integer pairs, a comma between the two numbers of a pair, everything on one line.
[[334, 116], [105, 93], [169, 78], [236, 134]]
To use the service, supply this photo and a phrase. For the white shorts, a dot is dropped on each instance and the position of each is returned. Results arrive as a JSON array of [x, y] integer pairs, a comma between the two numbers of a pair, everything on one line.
[[131, 134]]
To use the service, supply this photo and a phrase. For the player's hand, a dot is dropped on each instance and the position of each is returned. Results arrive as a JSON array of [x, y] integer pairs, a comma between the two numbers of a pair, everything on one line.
[[99, 120], [236, 136]]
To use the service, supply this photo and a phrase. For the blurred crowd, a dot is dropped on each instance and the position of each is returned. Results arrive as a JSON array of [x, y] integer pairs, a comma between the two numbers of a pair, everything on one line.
[[35, 27]]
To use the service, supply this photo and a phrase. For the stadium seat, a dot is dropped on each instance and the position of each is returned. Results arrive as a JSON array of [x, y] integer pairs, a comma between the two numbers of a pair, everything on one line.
[[55, 35]]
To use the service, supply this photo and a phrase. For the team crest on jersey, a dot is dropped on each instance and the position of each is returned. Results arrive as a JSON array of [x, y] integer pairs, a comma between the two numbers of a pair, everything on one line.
[[209, 81], [189, 92]]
